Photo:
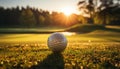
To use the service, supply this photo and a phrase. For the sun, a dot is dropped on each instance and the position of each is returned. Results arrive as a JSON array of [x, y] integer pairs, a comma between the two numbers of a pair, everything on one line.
[[67, 11]]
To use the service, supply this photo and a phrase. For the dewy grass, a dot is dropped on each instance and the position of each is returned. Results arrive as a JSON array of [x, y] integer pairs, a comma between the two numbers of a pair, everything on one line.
[[93, 55], [93, 50]]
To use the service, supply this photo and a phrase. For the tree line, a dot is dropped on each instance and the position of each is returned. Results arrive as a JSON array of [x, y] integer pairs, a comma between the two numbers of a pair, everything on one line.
[[33, 17], [99, 11]]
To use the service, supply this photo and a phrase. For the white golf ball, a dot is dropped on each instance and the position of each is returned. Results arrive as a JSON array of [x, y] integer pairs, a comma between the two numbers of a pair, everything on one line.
[[57, 42]]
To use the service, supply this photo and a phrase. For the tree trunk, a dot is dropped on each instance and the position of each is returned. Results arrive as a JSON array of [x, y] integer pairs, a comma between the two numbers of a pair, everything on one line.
[[104, 18]]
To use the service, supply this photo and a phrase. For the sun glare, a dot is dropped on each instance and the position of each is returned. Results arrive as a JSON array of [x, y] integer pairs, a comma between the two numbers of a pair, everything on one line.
[[67, 11]]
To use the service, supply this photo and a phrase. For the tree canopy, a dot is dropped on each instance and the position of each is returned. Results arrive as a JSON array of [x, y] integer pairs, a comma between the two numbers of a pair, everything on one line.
[[33, 17], [101, 11]]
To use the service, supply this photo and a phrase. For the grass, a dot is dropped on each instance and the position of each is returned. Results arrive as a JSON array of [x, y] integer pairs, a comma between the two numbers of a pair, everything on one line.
[[31, 30], [90, 28], [98, 49], [85, 28]]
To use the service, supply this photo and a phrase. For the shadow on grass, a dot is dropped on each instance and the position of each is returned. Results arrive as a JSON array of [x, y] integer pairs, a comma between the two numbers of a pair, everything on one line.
[[52, 61], [85, 28], [112, 30], [89, 28]]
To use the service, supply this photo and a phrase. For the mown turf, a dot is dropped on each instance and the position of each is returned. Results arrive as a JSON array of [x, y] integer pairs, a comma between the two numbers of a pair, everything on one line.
[[41, 30], [98, 49], [86, 28]]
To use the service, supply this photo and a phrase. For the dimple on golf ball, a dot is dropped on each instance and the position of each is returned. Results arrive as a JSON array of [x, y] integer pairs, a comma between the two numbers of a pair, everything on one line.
[[57, 42]]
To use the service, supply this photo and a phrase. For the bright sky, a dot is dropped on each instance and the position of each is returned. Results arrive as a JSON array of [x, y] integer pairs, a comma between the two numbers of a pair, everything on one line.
[[50, 5]]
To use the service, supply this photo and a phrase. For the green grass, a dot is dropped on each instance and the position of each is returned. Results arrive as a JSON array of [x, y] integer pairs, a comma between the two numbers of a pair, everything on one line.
[[86, 28], [31, 30], [99, 49]]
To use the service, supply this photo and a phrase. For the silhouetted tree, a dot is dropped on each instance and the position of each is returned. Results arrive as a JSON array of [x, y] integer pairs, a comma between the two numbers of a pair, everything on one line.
[[34, 17], [102, 12], [88, 7], [36, 13], [108, 11], [105, 4], [41, 20], [27, 18], [2, 16]]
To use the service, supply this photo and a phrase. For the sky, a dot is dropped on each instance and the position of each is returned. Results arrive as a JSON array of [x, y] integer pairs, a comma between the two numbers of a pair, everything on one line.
[[50, 5]]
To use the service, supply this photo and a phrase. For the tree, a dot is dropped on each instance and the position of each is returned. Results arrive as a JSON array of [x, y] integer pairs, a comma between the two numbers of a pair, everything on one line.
[[88, 7], [2, 17], [41, 20], [58, 19], [107, 11], [27, 18], [47, 17], [101, 12]]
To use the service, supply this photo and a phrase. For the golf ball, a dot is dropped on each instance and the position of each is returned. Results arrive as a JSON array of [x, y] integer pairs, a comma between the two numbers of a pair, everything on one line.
[[57, 42]]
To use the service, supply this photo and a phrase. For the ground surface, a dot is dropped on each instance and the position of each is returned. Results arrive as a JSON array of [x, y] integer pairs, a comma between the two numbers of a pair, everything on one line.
[[98, 49]]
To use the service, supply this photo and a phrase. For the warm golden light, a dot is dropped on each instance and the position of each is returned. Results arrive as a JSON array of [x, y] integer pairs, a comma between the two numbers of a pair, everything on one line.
[[69, 33], [67, 11]]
